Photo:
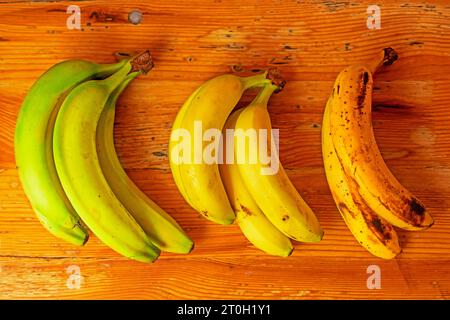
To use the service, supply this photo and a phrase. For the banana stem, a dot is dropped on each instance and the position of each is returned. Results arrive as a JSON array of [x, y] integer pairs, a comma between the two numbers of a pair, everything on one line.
[[118, 91], [117, 78], [258, 80], [270, 76], [141, 63], [108, 69], [385, 58], [122, 55], [264, 95]]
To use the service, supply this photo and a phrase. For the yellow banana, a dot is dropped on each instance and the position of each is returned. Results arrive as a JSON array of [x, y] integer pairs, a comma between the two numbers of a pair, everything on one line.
[[160, 227], [33, 145], [274, 193], [78, 167], [208, 107], [350, 111], [252, 221], [371, 231], [175, 172]]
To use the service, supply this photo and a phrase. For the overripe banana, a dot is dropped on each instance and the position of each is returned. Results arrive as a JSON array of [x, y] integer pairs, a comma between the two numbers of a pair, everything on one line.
[[78, 167], [251, 220], [208, 107], [160, 227], [350, 117], [274, 193], [33, 145], [372, 232]]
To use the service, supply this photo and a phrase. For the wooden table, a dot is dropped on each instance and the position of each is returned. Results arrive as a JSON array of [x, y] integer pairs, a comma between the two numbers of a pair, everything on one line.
[[310, 42]]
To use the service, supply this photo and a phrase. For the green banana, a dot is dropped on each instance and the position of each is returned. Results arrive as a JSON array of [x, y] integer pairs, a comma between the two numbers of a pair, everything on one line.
[[78, 167], [33, 145], [160, 227]]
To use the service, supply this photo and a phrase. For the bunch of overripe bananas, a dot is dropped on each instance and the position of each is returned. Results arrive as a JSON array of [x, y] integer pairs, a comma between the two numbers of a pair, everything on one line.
[[267, 207], [368, 196], [69, 168]]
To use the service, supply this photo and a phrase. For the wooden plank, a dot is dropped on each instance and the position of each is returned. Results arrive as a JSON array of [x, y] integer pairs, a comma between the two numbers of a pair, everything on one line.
[[310, 42], [224, 278]]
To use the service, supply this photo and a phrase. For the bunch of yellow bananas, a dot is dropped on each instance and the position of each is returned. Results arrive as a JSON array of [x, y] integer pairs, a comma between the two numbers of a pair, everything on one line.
[[224, 163], [267, 207], [69, 168], [368, 196]]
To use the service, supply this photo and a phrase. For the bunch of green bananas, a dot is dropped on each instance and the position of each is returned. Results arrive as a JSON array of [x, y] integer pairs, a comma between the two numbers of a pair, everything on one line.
[[368, 196], [267, 207], [68, 166]]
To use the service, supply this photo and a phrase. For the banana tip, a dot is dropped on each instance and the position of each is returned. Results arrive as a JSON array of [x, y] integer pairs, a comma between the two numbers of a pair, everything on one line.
[[290, 252], [322, 234], [390, 56], [191, 248], [429, 224], [85, 240]]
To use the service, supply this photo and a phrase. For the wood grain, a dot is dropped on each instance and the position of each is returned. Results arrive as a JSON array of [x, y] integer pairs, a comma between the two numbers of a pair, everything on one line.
[[310, 42]]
